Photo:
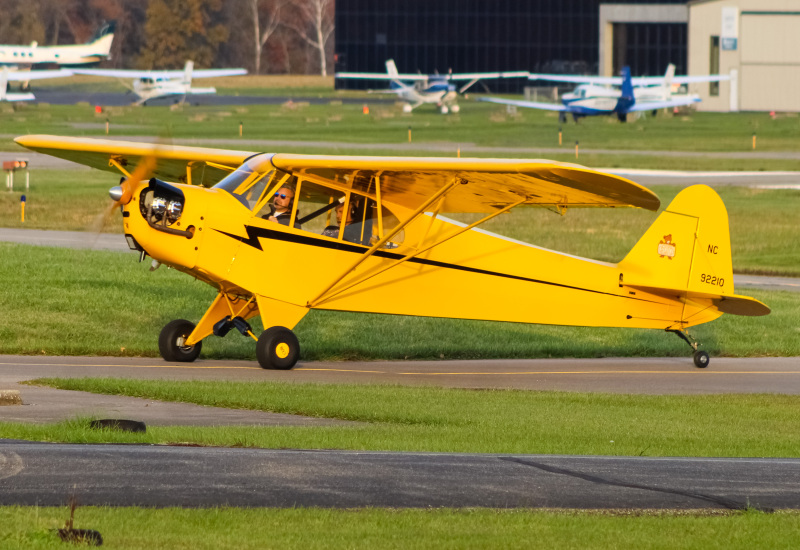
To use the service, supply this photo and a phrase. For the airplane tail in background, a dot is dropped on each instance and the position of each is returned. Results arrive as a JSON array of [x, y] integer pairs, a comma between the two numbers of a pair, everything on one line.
[[391, 68], [668, 76], [687, 252], [103, 38], [627, 83], [187, 73]]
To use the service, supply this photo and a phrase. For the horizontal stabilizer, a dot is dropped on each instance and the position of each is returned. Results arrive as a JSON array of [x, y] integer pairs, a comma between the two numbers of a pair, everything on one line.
[[734, 304]]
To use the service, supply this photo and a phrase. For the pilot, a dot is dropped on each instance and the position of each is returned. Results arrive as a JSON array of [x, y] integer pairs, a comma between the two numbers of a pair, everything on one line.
[[281, 207], [352, 232]]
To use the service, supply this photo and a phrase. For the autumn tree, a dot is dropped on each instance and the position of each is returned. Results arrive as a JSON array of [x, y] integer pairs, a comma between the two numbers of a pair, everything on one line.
[[181, 30], [266, 16], [312, 20]]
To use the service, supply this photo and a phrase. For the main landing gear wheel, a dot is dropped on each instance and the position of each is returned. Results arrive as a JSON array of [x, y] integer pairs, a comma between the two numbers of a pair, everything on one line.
[[701, 359], [277, 348], [171, 339]]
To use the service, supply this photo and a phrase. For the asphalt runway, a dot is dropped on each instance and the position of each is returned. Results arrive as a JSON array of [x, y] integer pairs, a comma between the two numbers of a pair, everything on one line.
[[42, 474]]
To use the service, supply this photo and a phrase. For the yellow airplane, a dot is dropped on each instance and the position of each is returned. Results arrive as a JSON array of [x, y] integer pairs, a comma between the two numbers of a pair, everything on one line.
[[393, 251]]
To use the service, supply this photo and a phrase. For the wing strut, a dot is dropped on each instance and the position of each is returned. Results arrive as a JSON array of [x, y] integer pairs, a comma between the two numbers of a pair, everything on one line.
[[440, 193], [419, 252]]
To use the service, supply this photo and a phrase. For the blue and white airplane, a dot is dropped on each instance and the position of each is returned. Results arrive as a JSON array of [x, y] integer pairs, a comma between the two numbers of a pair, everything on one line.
[[593, 96], [418, 89], [149, 85]]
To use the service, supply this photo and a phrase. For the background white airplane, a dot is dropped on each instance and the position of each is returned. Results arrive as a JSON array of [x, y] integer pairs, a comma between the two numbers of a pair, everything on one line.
[[149, 85], [419, 89], [595, 96], [7, 76], [74, 55]]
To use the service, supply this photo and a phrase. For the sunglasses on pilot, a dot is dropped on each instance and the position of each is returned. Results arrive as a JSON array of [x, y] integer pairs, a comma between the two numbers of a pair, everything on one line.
[[281, 195]]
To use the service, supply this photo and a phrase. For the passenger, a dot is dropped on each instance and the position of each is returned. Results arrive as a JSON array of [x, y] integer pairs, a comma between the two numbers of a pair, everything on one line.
[[333, 230], [281, 207]]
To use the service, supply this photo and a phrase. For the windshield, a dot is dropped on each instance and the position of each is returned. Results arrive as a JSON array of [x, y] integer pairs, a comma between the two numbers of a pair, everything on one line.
[[247, 182]]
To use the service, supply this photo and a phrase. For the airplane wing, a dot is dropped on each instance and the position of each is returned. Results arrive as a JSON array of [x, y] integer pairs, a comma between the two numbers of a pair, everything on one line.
[[480, 76], [636, 81], [578, 79], [527, 104], [382, 76], [133, 73], [485, 185], [25, 76], [174, 162], [660, 80], [654, 105], [212, 73]]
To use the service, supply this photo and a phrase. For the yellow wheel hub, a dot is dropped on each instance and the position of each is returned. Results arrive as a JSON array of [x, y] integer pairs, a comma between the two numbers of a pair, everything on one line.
[[282, 350]]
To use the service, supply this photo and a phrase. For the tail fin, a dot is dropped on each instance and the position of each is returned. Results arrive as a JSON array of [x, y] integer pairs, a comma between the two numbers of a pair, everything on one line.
[[187, 73], [102, 40], [391, 68], [627, 83], [3, 83], [687, 252], [668, 76]]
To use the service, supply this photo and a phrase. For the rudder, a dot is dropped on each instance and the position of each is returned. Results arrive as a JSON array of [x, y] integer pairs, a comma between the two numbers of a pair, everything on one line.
[[686, 249]]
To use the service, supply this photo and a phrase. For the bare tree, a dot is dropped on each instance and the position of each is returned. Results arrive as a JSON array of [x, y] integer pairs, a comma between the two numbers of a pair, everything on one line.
[[272, 11], [314, 25]]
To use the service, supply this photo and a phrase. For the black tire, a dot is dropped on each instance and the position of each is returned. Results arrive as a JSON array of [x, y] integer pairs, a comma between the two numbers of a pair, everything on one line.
[[171, 339], [701, 359], [277, 348]]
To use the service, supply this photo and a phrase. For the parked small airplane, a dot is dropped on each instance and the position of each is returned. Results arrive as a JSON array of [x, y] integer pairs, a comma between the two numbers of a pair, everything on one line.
[[428, 89], [7, 76], [263, 236], [149, 85], [74, 55], [594, 96]]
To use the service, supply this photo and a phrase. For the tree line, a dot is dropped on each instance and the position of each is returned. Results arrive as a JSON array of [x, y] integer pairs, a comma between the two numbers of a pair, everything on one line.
[[264, 36]]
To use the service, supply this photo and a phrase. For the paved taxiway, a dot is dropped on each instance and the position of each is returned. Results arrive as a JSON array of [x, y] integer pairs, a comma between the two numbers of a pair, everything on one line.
[[46, 475]]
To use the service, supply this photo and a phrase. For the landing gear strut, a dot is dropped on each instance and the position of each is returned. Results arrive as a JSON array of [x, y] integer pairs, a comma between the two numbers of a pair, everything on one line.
[[701, 358]]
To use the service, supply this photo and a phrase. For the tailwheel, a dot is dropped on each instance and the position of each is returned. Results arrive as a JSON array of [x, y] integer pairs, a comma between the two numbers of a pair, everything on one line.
[[701, 359], [171, 342], [277, 348]]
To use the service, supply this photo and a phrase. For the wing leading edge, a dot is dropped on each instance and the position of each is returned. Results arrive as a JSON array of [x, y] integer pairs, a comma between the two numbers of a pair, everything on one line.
[[488, 184]]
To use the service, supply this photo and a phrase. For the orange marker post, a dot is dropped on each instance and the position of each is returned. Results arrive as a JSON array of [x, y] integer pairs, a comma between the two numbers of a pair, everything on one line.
[[240, 128], [458, 152], [409, 134], [559, 136], [576, 148], [106, 126], [754, 140], [22, 207]]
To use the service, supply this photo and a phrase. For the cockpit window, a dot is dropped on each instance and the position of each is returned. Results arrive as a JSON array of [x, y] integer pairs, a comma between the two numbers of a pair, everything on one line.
[[246, 184]]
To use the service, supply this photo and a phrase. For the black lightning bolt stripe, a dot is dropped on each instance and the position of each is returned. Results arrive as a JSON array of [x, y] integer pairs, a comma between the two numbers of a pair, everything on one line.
[[254, 233]]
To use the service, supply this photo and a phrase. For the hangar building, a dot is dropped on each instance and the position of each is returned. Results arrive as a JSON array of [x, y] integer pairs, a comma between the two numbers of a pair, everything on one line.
[[758, 42]]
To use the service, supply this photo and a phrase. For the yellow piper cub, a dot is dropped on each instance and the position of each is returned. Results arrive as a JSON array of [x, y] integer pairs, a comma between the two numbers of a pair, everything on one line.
[[265, 235]]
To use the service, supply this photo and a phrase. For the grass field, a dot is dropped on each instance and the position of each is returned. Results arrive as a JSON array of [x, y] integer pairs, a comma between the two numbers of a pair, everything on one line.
[[428, 419], [145, 529], [478, 123]]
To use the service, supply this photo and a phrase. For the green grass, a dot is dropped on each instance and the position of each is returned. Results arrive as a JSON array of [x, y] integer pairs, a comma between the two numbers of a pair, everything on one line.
[[397, 418], [83, 302], [478, 123], [212, 529]]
